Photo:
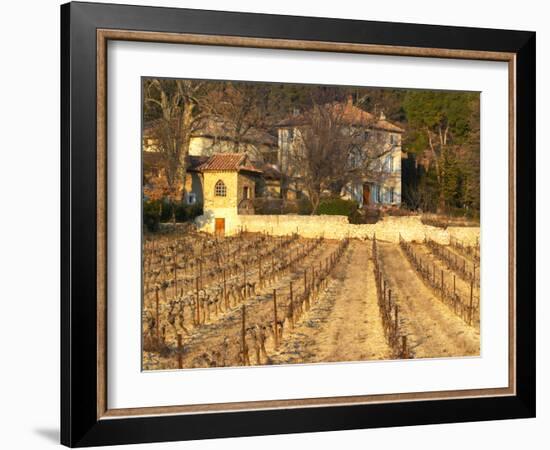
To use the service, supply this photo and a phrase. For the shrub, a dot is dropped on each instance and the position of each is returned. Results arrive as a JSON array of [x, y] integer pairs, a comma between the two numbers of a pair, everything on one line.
[[194, 211], [186, 213], [181, 213], [304, 207], [337, 207], [368, 215], [356, 218], [151, 214], [160, 211], [166, 210]]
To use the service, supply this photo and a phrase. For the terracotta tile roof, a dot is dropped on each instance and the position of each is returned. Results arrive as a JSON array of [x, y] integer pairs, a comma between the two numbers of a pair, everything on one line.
[[383, 124], [350, 115], [228, 161]]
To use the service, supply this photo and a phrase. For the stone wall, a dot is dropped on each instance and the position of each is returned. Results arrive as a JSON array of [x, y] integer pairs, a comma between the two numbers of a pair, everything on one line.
[[337, 227], [207, 222]]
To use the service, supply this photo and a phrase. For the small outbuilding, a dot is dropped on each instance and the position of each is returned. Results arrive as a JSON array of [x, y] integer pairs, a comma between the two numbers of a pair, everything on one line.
[[229, 186]]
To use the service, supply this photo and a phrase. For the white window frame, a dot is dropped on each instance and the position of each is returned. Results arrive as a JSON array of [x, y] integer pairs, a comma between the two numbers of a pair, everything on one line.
[[388, 164]]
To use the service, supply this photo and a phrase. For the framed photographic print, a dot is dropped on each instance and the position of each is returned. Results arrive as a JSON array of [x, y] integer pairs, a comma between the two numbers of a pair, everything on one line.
[[277, 224]]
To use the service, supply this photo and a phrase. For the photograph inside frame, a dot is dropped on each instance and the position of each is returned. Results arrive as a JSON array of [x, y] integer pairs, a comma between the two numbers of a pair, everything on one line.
[[298, 223]]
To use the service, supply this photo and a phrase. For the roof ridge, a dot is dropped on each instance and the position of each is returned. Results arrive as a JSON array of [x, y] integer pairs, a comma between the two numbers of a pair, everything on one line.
[[227, 161]]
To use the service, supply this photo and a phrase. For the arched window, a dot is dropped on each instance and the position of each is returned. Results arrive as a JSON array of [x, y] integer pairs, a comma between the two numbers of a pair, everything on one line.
[[219, 189]]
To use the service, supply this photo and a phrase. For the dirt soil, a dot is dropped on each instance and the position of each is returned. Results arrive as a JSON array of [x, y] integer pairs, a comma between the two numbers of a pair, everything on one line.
[[433, 329], [345, 324], [216, 343]]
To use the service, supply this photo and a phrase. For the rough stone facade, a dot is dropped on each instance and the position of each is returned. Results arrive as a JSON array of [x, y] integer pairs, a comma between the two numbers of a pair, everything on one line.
[[214, 202], [224, 207], [377, 148], [388, 229]]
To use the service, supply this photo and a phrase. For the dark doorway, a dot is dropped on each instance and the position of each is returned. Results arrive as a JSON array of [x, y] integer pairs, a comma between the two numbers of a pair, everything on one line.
[[366, 194]]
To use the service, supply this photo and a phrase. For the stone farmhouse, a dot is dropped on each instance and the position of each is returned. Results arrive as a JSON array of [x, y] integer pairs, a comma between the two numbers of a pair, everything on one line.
[[213, 137], [226, 182], [378, 145]]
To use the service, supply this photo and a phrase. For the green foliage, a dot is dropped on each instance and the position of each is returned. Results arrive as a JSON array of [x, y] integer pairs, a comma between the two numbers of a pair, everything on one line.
[[151, 214], [166, 210], [434, 109], [356, 218], [388, 101], [337, 207], [304, 207], [157, 211], [424, 114], [185, 213], [443, 127], [452, 180]]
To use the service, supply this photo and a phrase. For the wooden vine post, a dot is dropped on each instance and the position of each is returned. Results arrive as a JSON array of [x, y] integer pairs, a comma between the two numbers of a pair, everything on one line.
[[197, 306], [275, 321], [175, 273], [244, 280], [260, 271], [306, 292], [243, 336], [405, 350], [471, 301], [396, 323], [200, 272], [157, 314], [454, 285], [225, 291], [180, 360], [291, 307]]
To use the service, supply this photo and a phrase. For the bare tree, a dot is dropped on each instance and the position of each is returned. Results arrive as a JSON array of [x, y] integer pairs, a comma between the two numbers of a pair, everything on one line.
[[320, 154], [240, 109], [178, 103], [332, 149]]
